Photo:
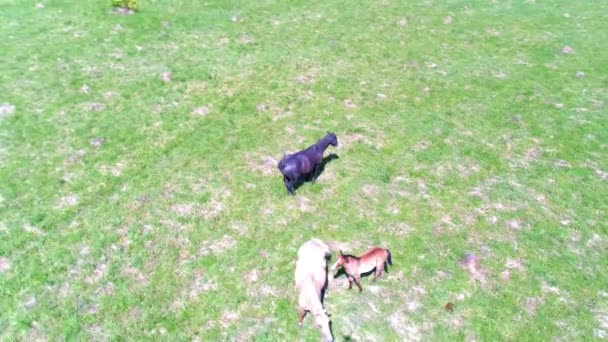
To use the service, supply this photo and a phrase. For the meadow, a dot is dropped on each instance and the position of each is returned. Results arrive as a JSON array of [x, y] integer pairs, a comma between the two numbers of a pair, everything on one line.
[[140, 196]]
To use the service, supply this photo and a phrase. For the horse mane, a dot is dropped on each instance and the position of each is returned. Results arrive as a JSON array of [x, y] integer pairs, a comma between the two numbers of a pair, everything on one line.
[[350, 256]]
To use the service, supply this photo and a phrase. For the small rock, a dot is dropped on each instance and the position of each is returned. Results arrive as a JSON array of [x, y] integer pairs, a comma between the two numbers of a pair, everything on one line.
[[567, 50], [165, 24], [402, 22], [580, 74], [40, 5], [447, 20], [235, 18], [84, 89]]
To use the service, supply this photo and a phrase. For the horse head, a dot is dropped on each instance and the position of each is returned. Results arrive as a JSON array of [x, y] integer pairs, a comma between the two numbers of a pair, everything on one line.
[[333, 139], [322, 322], [340, 262]]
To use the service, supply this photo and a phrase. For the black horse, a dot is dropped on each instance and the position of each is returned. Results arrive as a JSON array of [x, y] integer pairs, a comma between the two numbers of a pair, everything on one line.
[[305, 163]]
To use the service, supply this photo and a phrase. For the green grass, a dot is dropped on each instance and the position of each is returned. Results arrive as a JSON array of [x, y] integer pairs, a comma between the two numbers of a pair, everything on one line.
[[125, 215]]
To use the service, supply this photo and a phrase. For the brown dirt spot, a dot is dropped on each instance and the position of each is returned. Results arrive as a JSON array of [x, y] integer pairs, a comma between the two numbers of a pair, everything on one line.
[[533, 153], [109, 95], [472, 265], [6, 110], [36, 333], [252, 276], [515, 264], [5, 264], [97, 142], [562, 164], [348, 140], [267, 165], [305, 204], [422, 145], [514, 224], [114, 170], [32, 229], [68, 201], [306, 79], [227, 318], [98, 273], [75, 157], [123, 11], [567, 50], [95, 106], [201, 111], [595, 241], [263, 290], [199, 285], [245, 39], [493, 32], [135, 275], [402, 22], [403, 327], [165, 76], [211, 209], [546, 288], [532, 304], [106, 289], [183, 209], [218, 246], [349, 104], [371, 191]]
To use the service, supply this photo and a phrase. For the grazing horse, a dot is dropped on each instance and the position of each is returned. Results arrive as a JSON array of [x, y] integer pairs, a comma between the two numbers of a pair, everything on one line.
[[375, 259], [305, 163], [311, 283]]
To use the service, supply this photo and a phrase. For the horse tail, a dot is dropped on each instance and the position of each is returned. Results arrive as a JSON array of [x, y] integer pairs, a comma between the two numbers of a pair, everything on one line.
[[389, 259]]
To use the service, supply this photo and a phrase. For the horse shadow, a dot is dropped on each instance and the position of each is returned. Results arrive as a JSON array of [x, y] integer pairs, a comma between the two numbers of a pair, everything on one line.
[[313, 176]]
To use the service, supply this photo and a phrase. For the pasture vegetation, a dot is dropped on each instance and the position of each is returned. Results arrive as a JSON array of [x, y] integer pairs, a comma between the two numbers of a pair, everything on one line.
[[140, 196]]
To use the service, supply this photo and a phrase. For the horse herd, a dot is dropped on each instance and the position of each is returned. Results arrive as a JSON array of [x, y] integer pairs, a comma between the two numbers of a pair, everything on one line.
[[311, 267]]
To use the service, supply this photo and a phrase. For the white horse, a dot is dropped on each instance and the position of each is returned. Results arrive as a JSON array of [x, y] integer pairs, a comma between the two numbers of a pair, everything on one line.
[[311, 282]]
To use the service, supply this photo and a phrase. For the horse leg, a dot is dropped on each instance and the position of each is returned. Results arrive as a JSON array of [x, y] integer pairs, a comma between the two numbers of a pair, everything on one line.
[[315, 173], [301, 314], [358, 282], [288, 185], [379, 270], [350, 282]]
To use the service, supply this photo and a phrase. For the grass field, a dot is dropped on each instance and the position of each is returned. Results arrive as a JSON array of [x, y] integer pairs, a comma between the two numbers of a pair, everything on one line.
[[139, 195]]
